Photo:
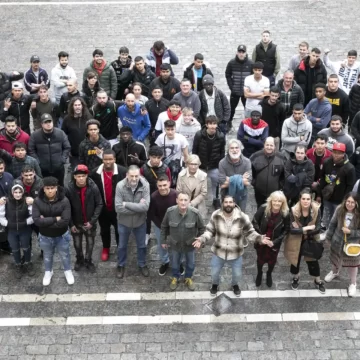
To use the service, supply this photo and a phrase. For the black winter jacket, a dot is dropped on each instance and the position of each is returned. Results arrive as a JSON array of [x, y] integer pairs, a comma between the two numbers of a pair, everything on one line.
[[355, 160], [90, 94], [281, 227], [169, 89], [123, 76], [93, 203], [75, 129], [123, 150], [154, 108], [5, 83], [35, 187], [296, 97], [107, 116], [144, 79], [196, 83], [236, 72], [51, 152], [87, 152], [48, 225], [221, 106], [209, 159], [16, 213], [274, 115], [268, 172], [354, 98], [65, 101]]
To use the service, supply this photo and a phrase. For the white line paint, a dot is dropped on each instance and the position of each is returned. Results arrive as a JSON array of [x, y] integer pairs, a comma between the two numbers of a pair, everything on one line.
[[180, 319], [159, 296]]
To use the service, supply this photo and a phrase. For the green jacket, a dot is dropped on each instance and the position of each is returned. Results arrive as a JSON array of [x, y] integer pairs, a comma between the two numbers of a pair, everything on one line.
[[181, 229]]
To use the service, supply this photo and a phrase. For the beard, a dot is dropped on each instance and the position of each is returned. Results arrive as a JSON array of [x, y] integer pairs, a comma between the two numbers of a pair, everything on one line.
[[234, 157], [228, 209]]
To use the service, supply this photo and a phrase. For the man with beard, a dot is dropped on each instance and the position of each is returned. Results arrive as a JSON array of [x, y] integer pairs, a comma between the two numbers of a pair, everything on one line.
[[104, 111], [236, 71], [128, 151], [290, 92], [106, 176], [142, 74], [338, 99], [335, 133], [169, 85], [231, 228], [214, 103], [311, 71], [252, 132], [273, 113], [18, 105], [123, 66], [74, 126], [12, 134], [72, 91], [132, 201], [267, 171], [60, 75], [50, 146], [35, 76], [130, 115], [105, 72], [44, 105], [92, 147], [155, 106]]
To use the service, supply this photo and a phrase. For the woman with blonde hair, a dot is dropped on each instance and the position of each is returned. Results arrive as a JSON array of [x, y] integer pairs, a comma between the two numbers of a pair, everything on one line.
[[344, 228], [305, 224], [271, 219]]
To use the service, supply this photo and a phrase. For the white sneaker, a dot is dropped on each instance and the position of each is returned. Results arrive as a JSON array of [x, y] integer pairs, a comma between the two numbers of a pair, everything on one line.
[[323, 236], [330, 276], [47, 277], [352, 290], [147, 238], [69, 277]]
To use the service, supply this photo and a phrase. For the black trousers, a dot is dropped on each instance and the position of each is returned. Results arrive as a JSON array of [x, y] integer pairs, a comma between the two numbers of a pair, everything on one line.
[[106, 220], [234, 102], [59, 174], [313, 266], [260, 199]]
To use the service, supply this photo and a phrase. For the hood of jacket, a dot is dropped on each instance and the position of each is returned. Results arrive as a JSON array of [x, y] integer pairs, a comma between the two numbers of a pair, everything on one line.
[[89, 183], [241, 61], [265, 102], [59, 196], [305, 62], [302, 121]]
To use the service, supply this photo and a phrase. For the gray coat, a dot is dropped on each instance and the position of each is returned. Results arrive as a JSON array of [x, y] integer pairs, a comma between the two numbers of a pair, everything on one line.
[[181, 229], [133, 214]]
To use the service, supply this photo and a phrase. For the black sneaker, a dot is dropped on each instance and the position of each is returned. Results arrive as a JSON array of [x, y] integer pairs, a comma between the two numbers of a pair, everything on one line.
[[182, 270], [295, 284], [145, 271], [236, 290], [320, 286], [258, 279], [90, 266], [6, 250], [214, 289], [18, 271], [79, 264], [163, 269], [28, 268], [120, 271]]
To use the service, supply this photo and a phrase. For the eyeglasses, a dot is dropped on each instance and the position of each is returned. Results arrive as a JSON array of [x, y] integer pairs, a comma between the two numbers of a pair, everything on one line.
[[194, 164]]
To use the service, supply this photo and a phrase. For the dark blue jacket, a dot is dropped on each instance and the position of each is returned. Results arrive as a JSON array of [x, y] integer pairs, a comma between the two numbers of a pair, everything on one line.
[[30, 78], [5, 184]]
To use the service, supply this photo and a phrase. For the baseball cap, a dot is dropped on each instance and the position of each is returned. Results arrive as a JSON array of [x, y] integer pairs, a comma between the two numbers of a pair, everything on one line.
[[81, 169], [34, 58], [241, 48], [339, 147], [17, 85], [46, 117]]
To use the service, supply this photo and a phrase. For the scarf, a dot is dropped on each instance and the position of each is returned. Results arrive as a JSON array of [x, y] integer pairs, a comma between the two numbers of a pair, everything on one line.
[[99, 68], [171, 117]]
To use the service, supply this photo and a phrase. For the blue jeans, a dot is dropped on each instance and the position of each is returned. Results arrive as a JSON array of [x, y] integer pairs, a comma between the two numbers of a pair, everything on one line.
[[242, 202], [61, 244], [213, 174], [176, 257], [20, 239], [163, 253], [218, 263], [330, 208], [124, 234]]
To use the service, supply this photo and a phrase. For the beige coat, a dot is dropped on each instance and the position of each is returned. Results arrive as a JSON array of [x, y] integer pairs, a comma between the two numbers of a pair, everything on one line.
[[293, 241]]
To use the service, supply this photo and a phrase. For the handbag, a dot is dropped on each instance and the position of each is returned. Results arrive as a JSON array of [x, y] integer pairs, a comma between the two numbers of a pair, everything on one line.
[[351, 249], [312, 249]]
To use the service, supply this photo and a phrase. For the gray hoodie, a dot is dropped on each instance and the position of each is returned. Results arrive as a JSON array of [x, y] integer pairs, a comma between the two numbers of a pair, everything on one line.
[[292, 130], [192, 101], [340, 137], [189, 131]]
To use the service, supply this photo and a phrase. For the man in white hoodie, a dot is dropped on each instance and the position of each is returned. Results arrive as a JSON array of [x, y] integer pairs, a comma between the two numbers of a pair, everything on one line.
[[347, 70], [60, 75]]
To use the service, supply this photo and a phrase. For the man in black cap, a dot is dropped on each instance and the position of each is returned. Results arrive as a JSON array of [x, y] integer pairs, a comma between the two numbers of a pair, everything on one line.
[[50, 147], [35, 76], [128, 151], [169, 85], [86, 205], [236, 71]]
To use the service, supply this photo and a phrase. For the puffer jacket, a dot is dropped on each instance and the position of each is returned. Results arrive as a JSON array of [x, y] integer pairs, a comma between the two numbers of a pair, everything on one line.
[[296, 97], [236, 72], [354, 99], [5, 83], [133, 214], [196, 84], [144, 79]]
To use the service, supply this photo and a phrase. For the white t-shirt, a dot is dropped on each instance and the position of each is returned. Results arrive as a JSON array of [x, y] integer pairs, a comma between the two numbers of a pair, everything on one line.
[[172, 147], [161, 120], [255, 87]]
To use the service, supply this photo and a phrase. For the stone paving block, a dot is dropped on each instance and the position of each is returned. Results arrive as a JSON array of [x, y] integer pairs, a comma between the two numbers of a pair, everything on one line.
[[128, 357], [95, 348], [338, 355], [37, 349], [56, 349], [104, 357], [117, 348]]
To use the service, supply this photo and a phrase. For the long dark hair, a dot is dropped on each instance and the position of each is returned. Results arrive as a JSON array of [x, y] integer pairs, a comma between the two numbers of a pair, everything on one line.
[[342, 209], [85, 111]]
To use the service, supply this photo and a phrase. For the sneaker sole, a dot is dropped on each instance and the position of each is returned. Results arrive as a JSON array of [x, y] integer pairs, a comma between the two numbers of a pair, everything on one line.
[[329, 281]]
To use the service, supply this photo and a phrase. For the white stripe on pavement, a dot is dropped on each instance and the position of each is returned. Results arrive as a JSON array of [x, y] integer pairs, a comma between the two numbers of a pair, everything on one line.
[[158, 296], [180, 319]]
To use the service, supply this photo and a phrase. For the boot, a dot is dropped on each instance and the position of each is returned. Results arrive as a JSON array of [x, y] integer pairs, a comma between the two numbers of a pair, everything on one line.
[[90, 265], [79, 263], [269, 281], [105, 254], [259, 275]]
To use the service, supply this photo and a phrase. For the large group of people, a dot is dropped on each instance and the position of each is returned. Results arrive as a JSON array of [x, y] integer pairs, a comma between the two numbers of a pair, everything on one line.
[[142, 144]]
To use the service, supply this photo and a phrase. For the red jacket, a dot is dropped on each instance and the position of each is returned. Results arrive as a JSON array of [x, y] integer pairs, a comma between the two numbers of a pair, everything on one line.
[[7, 145], [311, 156]]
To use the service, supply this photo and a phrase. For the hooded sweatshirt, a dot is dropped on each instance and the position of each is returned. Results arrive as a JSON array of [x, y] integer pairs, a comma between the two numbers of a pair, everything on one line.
[[274, 115], [140, 124], [58, 75], [189, 131], [292, 130], [340, 137], [318, 109], [192, 101]]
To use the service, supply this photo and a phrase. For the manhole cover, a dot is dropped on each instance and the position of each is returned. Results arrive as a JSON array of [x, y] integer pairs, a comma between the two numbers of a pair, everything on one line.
[[219, 305]]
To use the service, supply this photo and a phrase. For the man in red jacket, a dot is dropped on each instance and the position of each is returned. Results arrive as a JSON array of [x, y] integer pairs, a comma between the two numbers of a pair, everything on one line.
[[10, 134]]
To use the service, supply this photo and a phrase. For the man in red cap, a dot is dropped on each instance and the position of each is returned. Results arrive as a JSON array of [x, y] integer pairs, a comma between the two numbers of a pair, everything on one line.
[[86, 205], [336, 179]]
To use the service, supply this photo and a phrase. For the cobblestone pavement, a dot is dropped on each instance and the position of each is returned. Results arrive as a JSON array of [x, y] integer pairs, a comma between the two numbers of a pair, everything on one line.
[[214, 29]]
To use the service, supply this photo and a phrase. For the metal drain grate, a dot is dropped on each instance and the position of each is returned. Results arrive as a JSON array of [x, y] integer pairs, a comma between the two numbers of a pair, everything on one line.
[[219, 305]]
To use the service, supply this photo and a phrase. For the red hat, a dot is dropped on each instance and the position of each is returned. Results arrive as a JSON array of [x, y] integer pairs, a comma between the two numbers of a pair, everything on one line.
[[81, 169], [339, 147]]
